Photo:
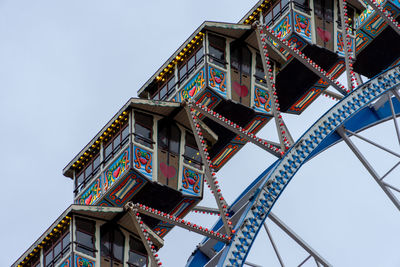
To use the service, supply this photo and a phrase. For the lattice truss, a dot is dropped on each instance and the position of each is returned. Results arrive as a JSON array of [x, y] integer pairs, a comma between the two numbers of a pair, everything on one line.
[[240, 227]]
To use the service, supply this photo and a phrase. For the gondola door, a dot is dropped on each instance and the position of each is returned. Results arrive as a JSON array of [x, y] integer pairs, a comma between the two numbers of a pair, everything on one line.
[[323, 17], [240, 73], [169, 137]]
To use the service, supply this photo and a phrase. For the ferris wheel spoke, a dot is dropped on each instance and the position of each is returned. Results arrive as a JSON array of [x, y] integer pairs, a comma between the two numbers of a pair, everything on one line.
[[372, 143], [392, 187], [368, 166], [304, 261], [388, 172], [252, 264], [346, 41], [273, 245], [292, 234], [209, 174], [396, 94], [394, 116], [267, 145]]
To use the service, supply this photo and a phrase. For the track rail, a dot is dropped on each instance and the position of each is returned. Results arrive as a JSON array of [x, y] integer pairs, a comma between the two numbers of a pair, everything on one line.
[[252, 220]]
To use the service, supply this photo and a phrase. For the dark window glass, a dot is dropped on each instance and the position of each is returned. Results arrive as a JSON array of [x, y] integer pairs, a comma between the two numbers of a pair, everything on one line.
[[125, 134], [191, 64], [144, 129], [137, 253], [49, 258], [235, 57], [169, 136], [57, 250], [217, 49], [85, 231], [96, 163], [163, 92], [182, 73], [284, 3], [117, 142], [268, 17], [171, 84], [112, 243], [259, 67], [66, 241], [199, 54], [80, 178], [108, 150], [88, 171], [192, 155], [276, 10], [246, 60]]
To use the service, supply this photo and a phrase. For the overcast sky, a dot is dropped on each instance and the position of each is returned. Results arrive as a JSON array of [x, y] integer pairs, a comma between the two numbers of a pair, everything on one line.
[[66, 67]]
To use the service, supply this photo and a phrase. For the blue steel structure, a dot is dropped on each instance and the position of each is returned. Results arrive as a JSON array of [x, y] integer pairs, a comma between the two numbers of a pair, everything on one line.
[[353, 112]]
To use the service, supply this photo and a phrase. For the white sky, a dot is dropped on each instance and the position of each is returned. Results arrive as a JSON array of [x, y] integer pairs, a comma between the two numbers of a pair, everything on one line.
[[66, 67]]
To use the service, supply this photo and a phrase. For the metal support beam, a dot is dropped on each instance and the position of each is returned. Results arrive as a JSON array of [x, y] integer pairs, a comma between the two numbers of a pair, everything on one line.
[[332, 94], [372, 143], [304, 261], [273, 244], [208, 173], [255, 140], [396, 126], [346, 37], [150, 253], [179, 222], [368, 166], [298, 239], [206, 209], [386, 17], [279, 123]]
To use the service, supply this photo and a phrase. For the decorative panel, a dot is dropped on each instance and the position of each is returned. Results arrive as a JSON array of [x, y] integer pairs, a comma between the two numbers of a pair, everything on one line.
[[143, 162], [191, 182], [66, 263], [302, 26], [283, 28], [362, 40], [126, 189], [375, 23], [194, 86], [256, 123], [307, 98], [81, 261], [217, 80], [184, 207], [262, 100], [104, 203], [91, 194], [225, 154], [162, 230], [208, 99], [117, 169], [335, 72], [340, 45]]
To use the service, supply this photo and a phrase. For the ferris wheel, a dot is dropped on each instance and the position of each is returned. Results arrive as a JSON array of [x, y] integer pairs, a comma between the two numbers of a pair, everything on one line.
[[363, 105]]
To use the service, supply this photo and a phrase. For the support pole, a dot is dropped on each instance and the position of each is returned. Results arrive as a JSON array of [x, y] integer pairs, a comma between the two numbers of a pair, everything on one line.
[[273, 244], [208, 172], [396, 126], [368, 166], [298, 239]]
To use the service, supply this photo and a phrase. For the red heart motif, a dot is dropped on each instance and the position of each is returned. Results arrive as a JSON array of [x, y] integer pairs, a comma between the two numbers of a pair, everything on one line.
[[191, 181], [167, 171], [262, 100], [192, 91], [325, 35], [87, 201], [143, 160], [217, 80], [116, 172], [241, 90], [302, 25]]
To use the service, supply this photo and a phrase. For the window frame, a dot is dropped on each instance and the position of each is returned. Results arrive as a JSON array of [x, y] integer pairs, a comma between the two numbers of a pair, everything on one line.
[[121, 144], [79, 245], [112, 229], [63, 252], [275, 17], [195, 163], [185, 64], [130, 264], [215, 46], [85, 181], [137, 136]]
